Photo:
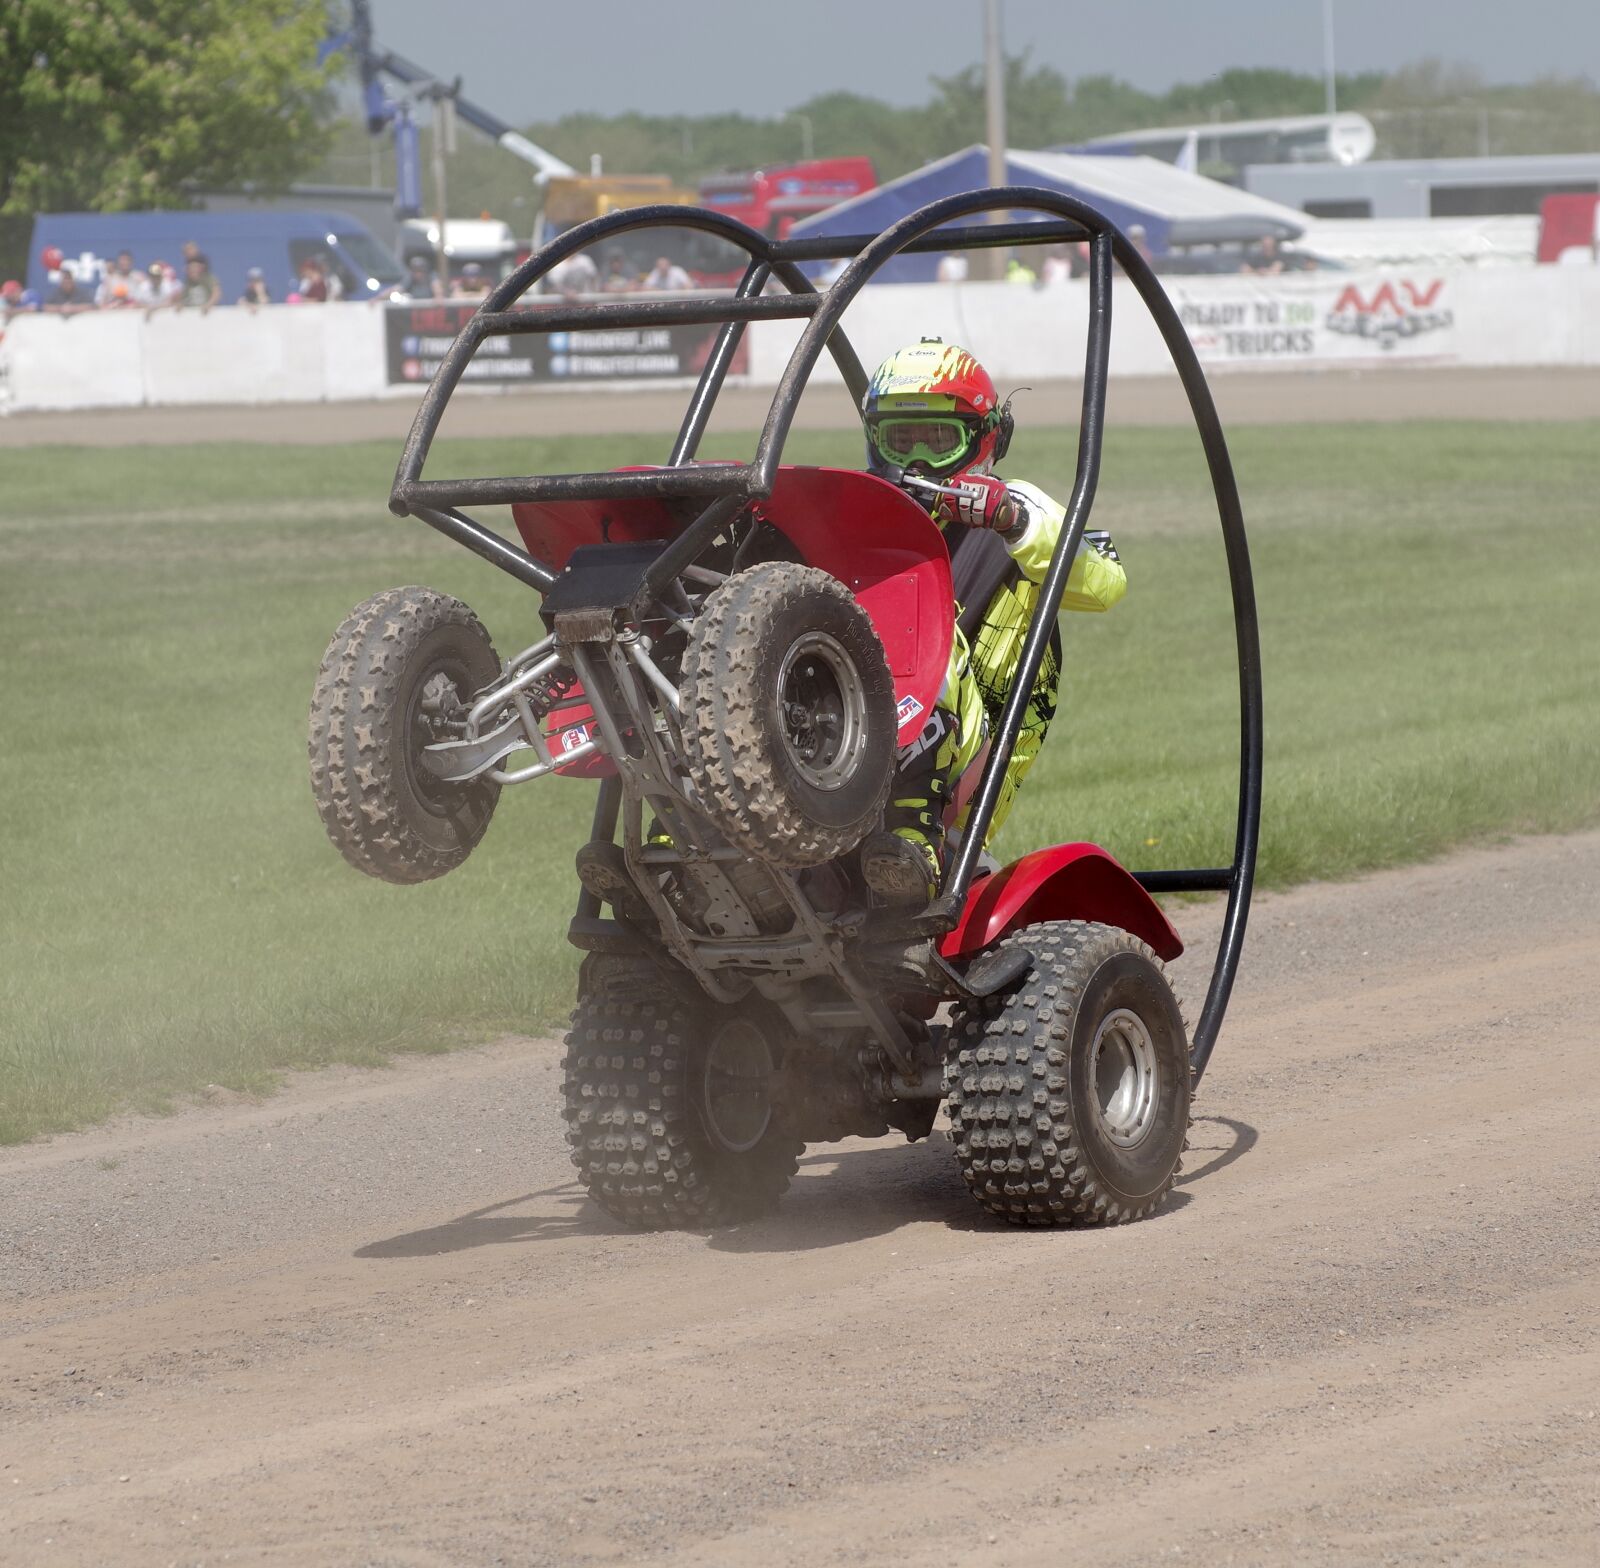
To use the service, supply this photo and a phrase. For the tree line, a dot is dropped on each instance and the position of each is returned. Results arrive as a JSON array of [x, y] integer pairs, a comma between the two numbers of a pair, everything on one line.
[[127, 104], [1427, 110]]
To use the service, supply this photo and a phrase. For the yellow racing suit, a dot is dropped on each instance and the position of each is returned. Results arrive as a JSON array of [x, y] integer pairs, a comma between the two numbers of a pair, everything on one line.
[[983, 669]]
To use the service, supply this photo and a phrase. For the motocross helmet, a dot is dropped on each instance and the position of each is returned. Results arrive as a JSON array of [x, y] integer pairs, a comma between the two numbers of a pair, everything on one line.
[[932, 409]]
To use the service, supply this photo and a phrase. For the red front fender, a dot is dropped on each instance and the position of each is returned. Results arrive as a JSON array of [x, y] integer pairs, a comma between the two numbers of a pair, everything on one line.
[[1068, 882]]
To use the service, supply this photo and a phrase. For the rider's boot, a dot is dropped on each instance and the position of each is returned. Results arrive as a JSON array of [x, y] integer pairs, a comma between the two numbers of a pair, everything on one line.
[[901, 869], [901, 864]]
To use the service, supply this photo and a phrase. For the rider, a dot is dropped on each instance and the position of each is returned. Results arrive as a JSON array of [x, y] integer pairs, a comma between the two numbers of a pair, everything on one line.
[[936, 427]]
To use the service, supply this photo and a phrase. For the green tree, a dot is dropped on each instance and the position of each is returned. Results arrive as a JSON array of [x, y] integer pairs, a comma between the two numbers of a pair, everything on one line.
[[1038, 108], [1423, 109], [120, 104]]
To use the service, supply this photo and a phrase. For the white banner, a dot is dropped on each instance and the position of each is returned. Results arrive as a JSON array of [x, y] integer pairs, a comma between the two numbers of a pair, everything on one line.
[[1326, 320], [1329, 319]]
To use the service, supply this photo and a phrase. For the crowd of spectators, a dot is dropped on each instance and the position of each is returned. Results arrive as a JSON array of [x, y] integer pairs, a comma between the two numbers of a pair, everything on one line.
[[193, 286], [1266, 257], [581, 274], [160, 285]]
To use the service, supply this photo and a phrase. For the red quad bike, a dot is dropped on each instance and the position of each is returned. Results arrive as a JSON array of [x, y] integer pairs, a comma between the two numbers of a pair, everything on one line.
[[737, 652]]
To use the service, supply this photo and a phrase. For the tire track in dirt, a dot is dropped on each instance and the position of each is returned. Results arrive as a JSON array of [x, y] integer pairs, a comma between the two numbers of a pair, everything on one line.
[[1364, 1330]]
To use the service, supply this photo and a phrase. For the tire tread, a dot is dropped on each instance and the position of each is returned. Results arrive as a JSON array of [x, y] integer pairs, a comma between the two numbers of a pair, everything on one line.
[[1007, 1093], [353, 781]]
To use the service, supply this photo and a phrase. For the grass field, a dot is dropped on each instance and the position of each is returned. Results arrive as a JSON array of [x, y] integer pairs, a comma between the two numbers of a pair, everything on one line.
[[173, 916]]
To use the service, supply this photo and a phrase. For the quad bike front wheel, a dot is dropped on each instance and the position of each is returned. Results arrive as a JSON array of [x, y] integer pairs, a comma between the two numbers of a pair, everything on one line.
[[788, 715], [670, 1110], [399, 669], [1069, 1093]]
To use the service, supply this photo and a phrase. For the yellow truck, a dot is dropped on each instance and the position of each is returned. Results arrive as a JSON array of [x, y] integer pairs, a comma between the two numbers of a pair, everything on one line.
[[626, 258]]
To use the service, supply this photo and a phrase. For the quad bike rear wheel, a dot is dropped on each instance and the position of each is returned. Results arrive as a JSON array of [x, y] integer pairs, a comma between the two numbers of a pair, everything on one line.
[[788, 715], [398, 669], [1069, 1092], [670, 1110]]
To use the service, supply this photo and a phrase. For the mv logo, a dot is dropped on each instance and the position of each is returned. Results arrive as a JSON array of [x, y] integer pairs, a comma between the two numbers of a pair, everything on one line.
[[1394, 311]]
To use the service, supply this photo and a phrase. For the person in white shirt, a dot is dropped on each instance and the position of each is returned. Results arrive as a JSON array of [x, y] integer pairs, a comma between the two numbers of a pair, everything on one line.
[[667, 274], [122, 284], [576, 275]]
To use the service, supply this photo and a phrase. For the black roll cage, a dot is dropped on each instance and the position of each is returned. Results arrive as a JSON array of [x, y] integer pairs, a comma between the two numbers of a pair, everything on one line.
[[728, 487]]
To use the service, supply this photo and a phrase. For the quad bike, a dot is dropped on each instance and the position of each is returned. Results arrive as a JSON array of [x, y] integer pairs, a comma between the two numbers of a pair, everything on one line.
[[738, 652]]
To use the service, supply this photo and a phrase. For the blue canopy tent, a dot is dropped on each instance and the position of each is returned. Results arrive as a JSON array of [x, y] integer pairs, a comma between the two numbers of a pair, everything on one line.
[[1131, 191]]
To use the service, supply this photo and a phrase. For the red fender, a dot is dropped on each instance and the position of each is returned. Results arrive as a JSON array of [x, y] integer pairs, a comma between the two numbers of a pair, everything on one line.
[[1068, 882], [883, 547], [863, 530]]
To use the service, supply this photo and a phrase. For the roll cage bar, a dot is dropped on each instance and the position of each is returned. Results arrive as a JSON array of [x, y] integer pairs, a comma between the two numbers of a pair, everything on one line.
[[728, 487]]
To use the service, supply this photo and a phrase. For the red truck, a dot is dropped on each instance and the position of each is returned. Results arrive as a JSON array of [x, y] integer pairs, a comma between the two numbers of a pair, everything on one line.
[[1569, 222], [774, 200]]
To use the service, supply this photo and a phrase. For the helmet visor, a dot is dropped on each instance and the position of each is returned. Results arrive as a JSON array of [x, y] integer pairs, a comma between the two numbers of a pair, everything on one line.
[[939, 441]]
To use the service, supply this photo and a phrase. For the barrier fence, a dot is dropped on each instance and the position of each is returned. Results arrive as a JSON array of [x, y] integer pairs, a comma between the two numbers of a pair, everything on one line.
[[332, 353]]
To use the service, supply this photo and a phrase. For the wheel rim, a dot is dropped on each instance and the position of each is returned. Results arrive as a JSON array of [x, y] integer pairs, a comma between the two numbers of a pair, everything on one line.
[[433, 715], [823, 706], [738, 1087], [1122, 1071]]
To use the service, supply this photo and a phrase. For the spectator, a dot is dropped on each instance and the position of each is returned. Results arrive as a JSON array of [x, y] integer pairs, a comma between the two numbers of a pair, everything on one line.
[[618, 280], [331, 276], [1056, 267], [256, 291], [667, 274], [200, 290], [420, 282], [1265, 258], [472, 284], [1141, 243], [165, 285], [67, 299], [14, 299], [576, 275], [1018, 271], [953, 268], [122, 285], [312, 289]]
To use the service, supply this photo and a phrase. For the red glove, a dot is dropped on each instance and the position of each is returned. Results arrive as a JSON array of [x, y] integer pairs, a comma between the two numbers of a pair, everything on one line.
[[983, 502]]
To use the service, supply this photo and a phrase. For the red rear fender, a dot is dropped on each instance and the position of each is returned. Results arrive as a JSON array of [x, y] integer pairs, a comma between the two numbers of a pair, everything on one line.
[[1068, 882]]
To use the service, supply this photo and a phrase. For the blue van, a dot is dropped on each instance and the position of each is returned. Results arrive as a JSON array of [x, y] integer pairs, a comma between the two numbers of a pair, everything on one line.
[[233, 242]]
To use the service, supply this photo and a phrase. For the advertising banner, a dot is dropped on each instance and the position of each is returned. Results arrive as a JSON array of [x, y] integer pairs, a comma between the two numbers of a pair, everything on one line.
[[418, 334], [1286, 321]]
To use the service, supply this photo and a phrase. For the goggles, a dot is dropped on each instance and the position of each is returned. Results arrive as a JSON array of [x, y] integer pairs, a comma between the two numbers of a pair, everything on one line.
[[938, 440]]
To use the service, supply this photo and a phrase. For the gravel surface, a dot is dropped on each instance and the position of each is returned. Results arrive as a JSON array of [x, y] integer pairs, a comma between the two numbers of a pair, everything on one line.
[[373, 1321]]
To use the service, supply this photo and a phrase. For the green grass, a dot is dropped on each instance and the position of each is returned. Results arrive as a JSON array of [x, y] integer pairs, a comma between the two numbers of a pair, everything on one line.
[[172, 914]]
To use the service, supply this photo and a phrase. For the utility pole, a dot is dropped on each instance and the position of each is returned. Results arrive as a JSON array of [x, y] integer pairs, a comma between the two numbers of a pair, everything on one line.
[[444, 142], [994, 85], [1327, 57]]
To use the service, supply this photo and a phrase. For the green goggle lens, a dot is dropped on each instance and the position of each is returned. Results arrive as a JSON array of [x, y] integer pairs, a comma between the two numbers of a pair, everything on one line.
[[938, 442]]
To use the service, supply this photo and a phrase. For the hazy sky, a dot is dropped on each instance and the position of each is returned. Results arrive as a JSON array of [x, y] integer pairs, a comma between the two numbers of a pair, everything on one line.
[[528, 60]]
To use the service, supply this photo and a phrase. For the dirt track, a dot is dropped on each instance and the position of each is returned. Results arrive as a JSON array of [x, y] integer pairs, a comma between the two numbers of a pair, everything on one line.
[[1243, 398], [372, 1320]]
